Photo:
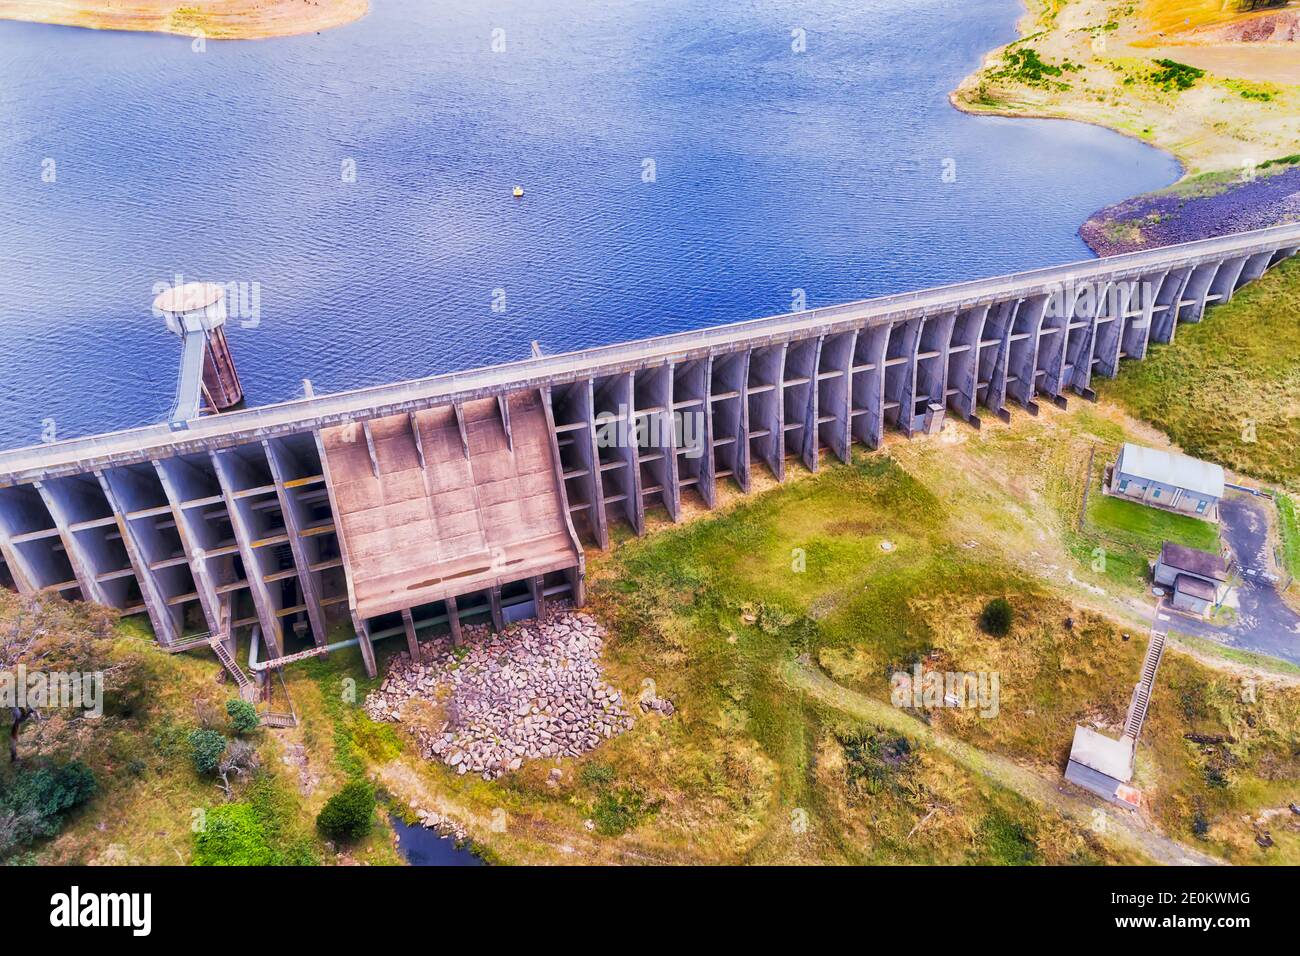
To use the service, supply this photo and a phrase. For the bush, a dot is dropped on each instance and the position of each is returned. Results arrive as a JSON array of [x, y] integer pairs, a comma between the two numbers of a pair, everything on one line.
[[1176, 76], [596, 775], [35, 805], [872, 761], [1005, 842], [232, 835], [617, 811], [996, 617], [51, 793], [347, 814], [1200, 825], [243, 716], [206, 748]]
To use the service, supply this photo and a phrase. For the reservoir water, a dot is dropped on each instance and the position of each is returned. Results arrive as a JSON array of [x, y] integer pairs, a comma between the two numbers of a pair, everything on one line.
[[683, 163]]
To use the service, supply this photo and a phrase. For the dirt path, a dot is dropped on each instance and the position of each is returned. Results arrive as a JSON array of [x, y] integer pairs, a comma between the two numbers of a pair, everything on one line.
[[1120, 825]]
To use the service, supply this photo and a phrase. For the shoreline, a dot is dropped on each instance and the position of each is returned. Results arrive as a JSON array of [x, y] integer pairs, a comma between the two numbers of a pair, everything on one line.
[[205, 19], [1086, 63]]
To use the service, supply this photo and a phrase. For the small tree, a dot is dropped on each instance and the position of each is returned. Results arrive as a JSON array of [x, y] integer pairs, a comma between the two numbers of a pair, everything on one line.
[[206, 747], [347, 814], [43, 632], [240, 758], [243, 716], [37, 801], [996, 617]]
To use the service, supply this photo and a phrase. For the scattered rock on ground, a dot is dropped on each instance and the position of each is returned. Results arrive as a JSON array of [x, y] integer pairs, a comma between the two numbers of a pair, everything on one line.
[[659, 705]]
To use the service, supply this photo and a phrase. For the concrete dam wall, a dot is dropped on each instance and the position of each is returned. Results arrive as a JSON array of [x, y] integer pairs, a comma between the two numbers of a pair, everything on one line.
[[465, 498]]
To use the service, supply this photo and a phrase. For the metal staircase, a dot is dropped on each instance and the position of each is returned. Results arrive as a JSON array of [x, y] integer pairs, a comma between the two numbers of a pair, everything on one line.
[[1137, 710], [217, 641], [247, 689], [187, 644]]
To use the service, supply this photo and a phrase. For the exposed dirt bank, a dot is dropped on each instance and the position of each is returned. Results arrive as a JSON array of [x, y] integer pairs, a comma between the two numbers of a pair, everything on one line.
[[211, 19], [1221, 93], [1099, 61]]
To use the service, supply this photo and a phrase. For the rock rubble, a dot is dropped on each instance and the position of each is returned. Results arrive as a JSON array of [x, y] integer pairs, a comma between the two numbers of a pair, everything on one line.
[[532, 692]]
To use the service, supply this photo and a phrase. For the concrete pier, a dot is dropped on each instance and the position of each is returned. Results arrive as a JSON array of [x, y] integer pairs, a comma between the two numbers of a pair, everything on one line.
[[419, 507]]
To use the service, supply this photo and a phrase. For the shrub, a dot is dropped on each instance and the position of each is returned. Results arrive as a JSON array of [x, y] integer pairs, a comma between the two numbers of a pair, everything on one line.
[[616, 812], [1176, 76], [1291, 160], [1024, 64], [52, 793], [347, 814], [996, 617], [1005, 841], [206, 748], [1200, 825], [243, 716], [232, 835], [35, 805], [872, 760], [596, 775]]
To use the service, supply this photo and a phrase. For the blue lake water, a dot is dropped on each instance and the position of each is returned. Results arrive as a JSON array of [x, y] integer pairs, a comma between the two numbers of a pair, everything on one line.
[[774, 170]]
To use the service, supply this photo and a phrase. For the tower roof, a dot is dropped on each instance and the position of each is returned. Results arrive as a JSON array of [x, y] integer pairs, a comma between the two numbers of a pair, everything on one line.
[[189, 297]]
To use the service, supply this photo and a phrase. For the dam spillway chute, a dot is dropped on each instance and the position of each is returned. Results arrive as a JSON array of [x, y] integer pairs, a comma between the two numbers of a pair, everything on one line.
[[448, 501]]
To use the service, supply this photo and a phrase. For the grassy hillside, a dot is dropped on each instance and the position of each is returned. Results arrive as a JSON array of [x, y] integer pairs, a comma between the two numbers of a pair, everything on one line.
[[151, 803], [1228, 388], [712, 610]]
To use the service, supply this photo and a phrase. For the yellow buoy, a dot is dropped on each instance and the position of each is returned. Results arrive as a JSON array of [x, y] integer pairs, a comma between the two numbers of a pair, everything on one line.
[[518, 192]]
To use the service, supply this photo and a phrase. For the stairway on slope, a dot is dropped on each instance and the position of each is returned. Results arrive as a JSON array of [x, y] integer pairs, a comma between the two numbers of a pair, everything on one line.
[[1137, 712]]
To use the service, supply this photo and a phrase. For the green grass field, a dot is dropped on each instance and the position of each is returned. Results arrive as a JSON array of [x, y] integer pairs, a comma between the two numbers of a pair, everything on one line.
[[1289, 522], [1120, 538], [714, 611], [1150, 526], [1228, 388]]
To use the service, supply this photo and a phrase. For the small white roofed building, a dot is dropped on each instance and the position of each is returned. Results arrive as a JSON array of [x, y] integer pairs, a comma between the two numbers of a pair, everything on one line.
[[1103, 766], [1167, 480]]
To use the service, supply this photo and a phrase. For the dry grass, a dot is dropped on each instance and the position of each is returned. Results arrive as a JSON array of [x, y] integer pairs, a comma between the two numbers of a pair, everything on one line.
[[1105, 73], [1182, 16], [213, 19]]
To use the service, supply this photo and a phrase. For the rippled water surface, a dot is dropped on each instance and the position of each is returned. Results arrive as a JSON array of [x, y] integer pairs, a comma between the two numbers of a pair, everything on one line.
[[773, 171]]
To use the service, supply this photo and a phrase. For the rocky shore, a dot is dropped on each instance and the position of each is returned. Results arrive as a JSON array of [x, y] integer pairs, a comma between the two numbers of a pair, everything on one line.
[[534, 691], [1200, 208]]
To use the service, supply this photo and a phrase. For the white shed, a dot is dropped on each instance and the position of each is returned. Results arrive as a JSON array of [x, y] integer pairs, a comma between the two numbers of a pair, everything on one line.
[[1164, 479]]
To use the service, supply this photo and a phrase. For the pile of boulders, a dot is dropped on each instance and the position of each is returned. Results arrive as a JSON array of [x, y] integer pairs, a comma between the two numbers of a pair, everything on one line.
[[533, 691]]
